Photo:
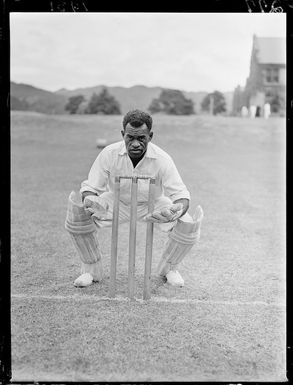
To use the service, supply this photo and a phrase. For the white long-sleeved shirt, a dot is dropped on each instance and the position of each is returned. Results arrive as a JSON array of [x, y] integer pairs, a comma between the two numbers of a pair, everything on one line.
[[113, 161]]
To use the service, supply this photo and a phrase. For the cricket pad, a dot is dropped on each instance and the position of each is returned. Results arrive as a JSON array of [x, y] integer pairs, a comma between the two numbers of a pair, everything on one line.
[[82, 230], [181, 239]]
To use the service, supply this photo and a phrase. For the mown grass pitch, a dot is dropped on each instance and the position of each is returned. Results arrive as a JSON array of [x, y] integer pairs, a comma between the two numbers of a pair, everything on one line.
[[226, 324]]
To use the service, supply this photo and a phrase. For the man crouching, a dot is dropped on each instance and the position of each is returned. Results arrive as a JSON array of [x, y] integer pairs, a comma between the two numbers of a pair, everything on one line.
[[134, 156]]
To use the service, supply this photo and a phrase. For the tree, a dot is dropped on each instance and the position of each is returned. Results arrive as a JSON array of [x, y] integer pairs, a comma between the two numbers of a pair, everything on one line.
[[218, 103], [239, 100], [73, 103], [172, 102], [103, 103], [155, 106]]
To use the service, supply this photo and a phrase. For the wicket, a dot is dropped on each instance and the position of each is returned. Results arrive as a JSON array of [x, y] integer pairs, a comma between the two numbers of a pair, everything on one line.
[[132, 237]]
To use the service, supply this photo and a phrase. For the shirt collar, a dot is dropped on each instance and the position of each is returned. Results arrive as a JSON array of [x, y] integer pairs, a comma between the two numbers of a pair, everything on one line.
[[150, 152]]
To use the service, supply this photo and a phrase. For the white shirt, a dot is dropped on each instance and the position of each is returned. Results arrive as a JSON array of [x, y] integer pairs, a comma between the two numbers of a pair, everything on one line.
[[113, 161]]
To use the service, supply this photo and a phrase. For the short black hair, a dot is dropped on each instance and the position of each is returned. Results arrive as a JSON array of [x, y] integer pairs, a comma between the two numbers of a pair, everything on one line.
[[137, 118]]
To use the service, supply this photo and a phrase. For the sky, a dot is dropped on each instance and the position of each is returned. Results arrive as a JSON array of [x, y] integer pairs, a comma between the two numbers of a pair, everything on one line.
[[186, 51]]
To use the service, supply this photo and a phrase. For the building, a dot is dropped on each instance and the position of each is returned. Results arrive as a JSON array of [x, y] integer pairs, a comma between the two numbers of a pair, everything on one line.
[[267, 77]]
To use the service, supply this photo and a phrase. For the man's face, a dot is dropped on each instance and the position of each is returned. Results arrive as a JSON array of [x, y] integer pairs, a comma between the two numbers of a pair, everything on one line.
[[136, 140]]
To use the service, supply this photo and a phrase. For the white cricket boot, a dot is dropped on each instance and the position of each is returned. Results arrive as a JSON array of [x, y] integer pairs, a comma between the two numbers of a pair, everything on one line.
[[84, 280], [174, 278], [91, 272]]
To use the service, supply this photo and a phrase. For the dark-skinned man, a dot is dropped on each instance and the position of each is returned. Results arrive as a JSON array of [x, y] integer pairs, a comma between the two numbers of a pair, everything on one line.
[[135, 155]]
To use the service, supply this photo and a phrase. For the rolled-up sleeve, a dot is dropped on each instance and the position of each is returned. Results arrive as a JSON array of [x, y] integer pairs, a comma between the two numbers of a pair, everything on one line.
[[172, 183], [98, 176]]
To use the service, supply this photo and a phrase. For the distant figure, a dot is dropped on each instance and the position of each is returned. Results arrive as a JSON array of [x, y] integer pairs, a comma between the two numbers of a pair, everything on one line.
[[267, 110], [252, 109], [244, 111]]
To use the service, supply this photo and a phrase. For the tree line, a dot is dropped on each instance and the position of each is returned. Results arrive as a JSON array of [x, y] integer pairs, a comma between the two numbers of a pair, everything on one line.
[[169, 102], [102, 103]]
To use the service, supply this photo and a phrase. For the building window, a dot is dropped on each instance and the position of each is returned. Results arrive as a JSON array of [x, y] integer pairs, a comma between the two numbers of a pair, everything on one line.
[[272, 75]]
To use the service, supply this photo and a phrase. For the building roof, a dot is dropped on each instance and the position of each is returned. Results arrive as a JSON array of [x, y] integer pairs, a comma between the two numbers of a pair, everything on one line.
[[270, 50]]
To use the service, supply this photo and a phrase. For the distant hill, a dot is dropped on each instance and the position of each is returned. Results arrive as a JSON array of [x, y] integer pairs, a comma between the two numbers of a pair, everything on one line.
[[129, 98], [27, 97], [139, 96], [35, 99]]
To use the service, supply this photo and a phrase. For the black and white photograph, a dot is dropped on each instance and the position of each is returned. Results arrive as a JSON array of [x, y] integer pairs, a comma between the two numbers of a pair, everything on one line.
[[148, 196]]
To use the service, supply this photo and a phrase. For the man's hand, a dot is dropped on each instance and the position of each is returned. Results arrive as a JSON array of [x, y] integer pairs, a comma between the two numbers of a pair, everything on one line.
[[168, 214], [96, 206]]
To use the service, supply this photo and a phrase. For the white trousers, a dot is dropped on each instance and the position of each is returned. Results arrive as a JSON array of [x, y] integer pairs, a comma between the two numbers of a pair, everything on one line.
[[142, 211]]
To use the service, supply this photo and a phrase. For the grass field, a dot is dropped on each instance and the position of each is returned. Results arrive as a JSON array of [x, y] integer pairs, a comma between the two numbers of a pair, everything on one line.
[[226, 324]]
